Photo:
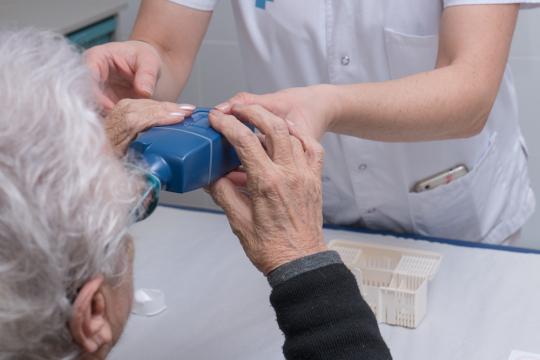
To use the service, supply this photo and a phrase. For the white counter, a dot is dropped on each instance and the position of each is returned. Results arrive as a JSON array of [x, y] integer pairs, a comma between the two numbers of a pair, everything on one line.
[[483, 303]]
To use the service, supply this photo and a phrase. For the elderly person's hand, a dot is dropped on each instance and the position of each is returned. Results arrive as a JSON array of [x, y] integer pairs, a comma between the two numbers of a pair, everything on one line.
[[129, 117], [276, 209], [311, 109]]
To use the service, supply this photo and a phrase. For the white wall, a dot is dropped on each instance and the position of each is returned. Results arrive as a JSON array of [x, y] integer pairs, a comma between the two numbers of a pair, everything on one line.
[[218, 75], [126, 19]]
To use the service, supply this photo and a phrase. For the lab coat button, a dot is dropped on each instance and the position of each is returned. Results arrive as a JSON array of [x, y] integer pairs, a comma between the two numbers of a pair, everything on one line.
[[371, 211], [362, 167], [345, 60]]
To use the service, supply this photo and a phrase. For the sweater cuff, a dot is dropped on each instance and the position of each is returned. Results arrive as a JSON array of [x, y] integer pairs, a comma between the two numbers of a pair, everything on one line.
[[302, 265]]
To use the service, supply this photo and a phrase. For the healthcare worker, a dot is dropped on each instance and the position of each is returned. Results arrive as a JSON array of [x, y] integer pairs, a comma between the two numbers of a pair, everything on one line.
[[418, 114]]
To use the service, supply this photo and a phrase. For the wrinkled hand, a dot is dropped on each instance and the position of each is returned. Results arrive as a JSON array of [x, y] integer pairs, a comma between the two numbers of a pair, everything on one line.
[[311, 109], [129, 117], [127, 69], [276, 209]]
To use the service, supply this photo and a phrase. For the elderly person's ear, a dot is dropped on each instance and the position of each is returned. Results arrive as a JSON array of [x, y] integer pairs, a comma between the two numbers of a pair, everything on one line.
[[131, 116], [89, 324]]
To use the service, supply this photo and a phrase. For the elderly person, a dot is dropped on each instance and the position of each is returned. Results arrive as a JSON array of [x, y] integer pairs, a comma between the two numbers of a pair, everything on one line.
[[66, 203]]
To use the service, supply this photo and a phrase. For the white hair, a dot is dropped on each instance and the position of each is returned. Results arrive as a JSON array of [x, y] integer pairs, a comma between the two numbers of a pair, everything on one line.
[[64, 199]]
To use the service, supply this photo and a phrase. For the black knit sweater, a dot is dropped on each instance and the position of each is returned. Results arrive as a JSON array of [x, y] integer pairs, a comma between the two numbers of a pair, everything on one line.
[[324, 317]]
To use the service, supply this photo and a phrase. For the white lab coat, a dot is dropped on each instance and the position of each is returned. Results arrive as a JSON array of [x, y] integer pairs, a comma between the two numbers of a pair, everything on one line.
[[305, 42]]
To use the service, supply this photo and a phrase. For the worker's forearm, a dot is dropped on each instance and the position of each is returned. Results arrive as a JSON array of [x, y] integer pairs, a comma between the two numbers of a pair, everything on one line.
[[176, 33], [445, 103]]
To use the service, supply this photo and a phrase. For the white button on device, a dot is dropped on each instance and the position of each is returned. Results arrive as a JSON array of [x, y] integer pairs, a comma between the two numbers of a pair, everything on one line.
[[345, 60]]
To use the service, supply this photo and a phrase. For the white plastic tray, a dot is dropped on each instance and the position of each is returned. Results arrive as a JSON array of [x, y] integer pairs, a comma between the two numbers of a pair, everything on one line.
[[392, 280]]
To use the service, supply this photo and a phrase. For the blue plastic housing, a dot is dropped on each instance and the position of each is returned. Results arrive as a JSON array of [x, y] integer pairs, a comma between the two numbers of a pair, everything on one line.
[[188, 155]]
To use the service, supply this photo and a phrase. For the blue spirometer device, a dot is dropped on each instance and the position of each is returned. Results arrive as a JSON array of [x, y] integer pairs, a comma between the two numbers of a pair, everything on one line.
[[188, 155]]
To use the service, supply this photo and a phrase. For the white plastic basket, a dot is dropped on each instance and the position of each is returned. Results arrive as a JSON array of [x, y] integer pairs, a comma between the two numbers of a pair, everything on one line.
[[392, 280]]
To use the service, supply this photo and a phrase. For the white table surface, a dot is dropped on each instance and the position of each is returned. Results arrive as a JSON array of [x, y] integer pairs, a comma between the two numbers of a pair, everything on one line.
[[62, 16], [482, 304]]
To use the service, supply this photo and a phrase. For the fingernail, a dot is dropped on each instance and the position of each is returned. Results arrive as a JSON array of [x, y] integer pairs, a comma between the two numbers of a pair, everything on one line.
[[177, 114], [224, 107], [187, 107]]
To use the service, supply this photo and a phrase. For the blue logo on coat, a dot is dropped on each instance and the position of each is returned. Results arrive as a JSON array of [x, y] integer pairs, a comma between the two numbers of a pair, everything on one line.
[[261, 4]]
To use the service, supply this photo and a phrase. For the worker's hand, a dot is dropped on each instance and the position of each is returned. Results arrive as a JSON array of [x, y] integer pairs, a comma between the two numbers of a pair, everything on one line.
[[123, 70], [311, 109], [275, 207], [129, 117]]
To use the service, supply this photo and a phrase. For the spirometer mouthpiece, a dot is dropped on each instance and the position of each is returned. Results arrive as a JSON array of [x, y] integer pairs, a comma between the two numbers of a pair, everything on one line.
[[188, 155]]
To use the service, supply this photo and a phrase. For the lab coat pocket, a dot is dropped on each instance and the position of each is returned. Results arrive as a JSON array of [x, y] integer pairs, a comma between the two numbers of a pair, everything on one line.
[[459, 210], [409, 54]]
